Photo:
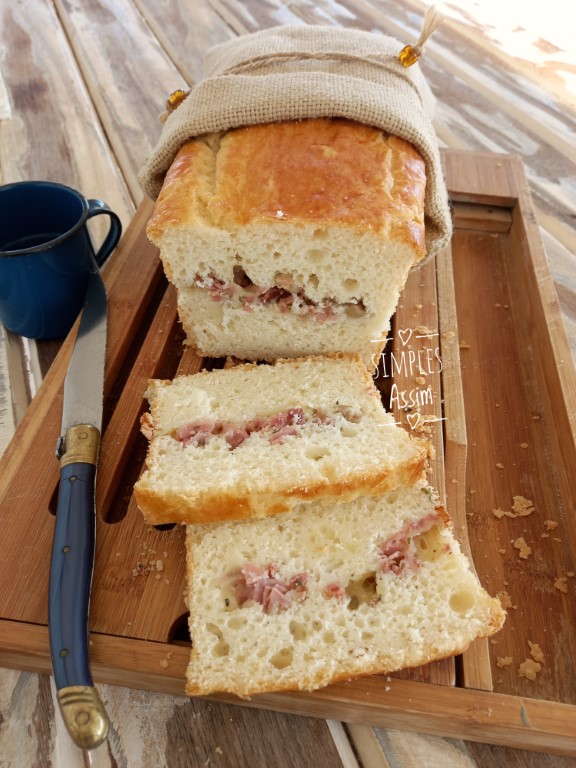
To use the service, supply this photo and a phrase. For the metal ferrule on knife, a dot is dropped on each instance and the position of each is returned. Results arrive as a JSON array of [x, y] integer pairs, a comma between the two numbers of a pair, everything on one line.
[[80, 443]]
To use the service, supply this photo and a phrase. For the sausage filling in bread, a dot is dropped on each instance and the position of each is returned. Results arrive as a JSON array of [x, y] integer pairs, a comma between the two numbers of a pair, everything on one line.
[[276, 427], [284, 295], [401, 553]]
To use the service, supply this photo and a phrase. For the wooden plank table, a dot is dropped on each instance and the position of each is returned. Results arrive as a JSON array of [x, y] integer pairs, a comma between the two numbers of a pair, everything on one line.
[[81, 86]]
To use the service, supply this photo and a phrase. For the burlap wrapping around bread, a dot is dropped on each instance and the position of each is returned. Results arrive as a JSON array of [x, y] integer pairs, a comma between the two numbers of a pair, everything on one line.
[[298, 72]]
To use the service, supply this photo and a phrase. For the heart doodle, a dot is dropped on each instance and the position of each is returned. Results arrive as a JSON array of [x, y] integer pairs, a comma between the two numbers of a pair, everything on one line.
[[405, 335], [413, 420]]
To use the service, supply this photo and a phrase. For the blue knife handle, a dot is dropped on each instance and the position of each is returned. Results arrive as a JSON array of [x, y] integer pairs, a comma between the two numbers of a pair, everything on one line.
[[71, 575], [70, 583]]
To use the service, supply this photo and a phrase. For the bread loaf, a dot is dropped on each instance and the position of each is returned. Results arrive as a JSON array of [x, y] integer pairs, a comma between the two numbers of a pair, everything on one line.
[[258, 439], [291, 239], [325, 593]]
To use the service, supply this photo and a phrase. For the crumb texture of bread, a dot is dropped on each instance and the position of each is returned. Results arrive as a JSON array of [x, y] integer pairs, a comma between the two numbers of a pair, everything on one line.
[[350, 615], [340, 442], [290, 238]]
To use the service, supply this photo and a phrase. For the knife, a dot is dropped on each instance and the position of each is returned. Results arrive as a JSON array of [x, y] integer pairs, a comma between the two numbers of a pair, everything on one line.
[[74, 535]]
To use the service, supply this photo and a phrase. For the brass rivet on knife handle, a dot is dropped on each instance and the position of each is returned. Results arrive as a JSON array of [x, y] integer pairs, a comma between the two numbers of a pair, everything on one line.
[[84, 715], [81, 443]]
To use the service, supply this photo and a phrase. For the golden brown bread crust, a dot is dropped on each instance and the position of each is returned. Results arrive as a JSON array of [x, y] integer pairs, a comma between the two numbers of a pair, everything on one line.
[[181, 198], [159, 508], [333, 171]]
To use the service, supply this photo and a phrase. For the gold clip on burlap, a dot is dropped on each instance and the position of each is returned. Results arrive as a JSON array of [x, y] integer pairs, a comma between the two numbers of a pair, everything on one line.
[[298, 72]]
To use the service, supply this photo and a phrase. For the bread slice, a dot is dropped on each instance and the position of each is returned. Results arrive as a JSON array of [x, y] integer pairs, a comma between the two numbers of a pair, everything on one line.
[[326, 593], [258, 439], [291, 239]]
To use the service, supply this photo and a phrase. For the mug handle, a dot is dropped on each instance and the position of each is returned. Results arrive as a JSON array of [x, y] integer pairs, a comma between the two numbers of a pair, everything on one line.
[[96, 207]]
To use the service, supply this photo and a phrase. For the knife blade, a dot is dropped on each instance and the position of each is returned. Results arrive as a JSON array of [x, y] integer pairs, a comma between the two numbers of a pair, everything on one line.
[[73, 545]]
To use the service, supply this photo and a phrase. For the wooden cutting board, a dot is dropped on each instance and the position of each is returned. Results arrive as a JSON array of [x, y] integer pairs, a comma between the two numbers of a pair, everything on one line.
[[478, 362]]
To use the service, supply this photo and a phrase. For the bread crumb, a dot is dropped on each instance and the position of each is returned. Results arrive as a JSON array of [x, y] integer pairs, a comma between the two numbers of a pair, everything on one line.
[[522, 507], [523, 445], [159, 565], [499, 465], [420, 380], [464, 345], [529, 669], [561, 584], [550, 525], [448, 335], [503, 661], [219, 750], [165, 660], [570, 574], [497, 304], [502, 551], [523, 549], [496, 405], [536, 652], [505, 599]]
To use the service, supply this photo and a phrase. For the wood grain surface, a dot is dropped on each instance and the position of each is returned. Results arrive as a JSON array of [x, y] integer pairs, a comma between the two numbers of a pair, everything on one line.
[[81, 88]]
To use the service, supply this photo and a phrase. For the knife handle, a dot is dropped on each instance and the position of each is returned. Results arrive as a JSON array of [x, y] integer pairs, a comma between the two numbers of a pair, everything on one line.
[[69, 592]]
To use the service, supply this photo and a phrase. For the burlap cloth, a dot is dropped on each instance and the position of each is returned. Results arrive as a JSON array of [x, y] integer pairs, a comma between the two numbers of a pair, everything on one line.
[[296, 72]]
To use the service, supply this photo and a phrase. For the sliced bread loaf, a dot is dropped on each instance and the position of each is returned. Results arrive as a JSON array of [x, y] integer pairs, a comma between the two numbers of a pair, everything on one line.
[[325, 593], [291, 238], [255, 440]]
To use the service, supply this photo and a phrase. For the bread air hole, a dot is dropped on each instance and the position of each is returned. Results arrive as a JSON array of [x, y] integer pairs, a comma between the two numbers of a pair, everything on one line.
[[316, 452], [430, 546], [320, 234], [314, 281], [283, 658], [298, 630], [328, 471], [461, 602], [221, 648], [237, 622], [315, 255], [362, 591]]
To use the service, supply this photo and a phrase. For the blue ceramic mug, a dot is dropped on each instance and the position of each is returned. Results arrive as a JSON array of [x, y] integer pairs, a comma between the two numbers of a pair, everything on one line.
[[46, 256]]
